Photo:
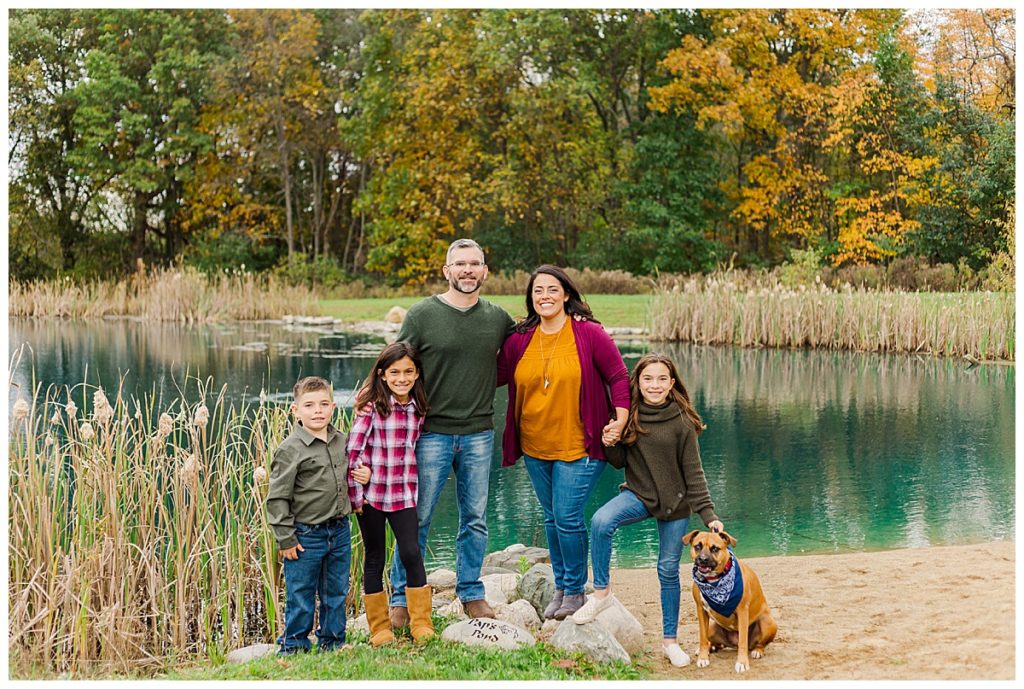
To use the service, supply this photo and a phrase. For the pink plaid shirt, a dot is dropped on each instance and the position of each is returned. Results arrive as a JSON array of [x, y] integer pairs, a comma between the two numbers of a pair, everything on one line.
[[387, 445]]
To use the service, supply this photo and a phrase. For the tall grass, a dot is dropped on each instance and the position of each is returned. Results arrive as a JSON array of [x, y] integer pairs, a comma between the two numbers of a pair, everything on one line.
[[972, 324], [165, 294], [138, 535]]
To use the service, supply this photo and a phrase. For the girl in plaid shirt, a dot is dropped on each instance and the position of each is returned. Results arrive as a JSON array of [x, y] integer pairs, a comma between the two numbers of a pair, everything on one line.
[[390, 409]]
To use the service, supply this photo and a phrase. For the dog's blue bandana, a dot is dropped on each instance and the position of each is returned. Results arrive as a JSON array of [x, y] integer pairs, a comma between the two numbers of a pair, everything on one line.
[[724, 593]]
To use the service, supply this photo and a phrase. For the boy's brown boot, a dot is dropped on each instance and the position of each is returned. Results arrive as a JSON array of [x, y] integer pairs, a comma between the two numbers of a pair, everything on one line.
[[420, 600], [377, 618]]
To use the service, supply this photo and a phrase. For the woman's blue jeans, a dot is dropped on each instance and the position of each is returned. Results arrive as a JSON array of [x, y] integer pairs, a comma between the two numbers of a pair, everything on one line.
[[563, 489], [626, 508]]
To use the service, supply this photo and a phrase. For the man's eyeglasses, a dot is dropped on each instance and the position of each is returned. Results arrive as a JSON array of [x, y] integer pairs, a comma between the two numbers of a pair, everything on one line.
[[462, 265]]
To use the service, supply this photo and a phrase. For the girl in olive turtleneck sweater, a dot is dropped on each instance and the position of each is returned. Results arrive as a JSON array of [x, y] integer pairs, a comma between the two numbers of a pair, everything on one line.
[[664, 480]]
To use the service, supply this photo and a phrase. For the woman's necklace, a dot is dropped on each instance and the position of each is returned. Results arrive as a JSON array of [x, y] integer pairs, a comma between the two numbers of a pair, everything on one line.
[[546, 361]]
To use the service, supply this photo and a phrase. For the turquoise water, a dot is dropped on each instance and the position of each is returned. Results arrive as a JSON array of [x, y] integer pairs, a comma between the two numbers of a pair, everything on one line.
[[805, 451]]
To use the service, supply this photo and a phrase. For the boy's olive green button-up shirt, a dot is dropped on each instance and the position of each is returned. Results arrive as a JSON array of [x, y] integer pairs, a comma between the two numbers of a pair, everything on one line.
[[308, 483]]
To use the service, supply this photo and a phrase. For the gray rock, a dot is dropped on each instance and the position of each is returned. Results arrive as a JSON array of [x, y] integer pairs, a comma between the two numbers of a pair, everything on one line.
[[537, 586], [626, 629], [359, 624], [592, 640], [395, 315], [548, 628], [441, 579], [520, 613], [509, 558], [244, 655], [489, 634], [500, 587], [453, 609], [484, 571]]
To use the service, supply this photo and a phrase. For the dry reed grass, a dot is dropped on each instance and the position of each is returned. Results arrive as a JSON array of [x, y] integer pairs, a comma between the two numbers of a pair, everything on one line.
[[979, 325], [168, 294], [138, 536]]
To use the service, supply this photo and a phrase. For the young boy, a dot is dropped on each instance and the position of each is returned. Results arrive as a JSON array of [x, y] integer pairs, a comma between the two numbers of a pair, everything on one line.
[[308, 507]]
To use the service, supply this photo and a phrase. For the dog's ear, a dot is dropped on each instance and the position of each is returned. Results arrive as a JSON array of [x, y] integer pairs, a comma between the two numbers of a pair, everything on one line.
[[728, 539], [688, 538]]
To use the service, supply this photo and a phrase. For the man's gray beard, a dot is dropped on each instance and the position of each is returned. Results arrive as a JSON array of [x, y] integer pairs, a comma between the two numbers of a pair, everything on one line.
[[455, 286]]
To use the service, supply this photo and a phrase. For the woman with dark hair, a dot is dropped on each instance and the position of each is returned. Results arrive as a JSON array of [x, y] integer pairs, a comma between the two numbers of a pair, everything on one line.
[[559, 365]]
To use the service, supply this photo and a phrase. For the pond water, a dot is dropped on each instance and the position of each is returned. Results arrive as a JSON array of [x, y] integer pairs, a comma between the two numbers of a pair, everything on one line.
[[805, 451]]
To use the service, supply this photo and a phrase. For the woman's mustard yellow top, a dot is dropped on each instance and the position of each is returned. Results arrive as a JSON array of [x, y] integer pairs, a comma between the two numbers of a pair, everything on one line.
[[548, 415]]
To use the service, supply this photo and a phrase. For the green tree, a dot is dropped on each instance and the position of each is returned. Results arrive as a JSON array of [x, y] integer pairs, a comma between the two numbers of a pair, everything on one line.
[[138, 115]]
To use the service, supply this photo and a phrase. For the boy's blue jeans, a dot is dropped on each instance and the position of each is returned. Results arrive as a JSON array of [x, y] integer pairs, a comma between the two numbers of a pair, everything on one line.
[[562, 489], [626, 508], [322, 569], [470, 456]]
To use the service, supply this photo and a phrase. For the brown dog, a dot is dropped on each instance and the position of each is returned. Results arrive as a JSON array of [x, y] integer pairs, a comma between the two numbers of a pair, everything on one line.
[[749, 623]]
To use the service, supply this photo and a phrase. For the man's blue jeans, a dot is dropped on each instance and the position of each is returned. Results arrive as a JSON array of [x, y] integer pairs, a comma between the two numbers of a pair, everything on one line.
[[626, 508], [322, 569], [563, 489], [470, 456]]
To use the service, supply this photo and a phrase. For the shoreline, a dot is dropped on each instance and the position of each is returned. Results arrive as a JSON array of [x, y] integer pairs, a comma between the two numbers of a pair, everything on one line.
[[911, 613]]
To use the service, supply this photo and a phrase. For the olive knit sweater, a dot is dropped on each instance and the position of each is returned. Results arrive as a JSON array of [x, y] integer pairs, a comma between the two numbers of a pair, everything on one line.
[[663, 466]]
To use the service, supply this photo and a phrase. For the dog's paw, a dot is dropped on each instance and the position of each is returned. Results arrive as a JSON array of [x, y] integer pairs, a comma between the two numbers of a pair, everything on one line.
[[703, 662], [741, 666], [756, 654]]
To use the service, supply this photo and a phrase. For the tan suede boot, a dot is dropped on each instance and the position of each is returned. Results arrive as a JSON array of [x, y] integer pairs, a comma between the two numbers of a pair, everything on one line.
[[377, 618], [420, 602]]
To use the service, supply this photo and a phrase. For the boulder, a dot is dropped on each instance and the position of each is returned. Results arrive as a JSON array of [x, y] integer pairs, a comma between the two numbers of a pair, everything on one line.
[[548, 628], [500, 586], [510, 557], [520, 613], [626, 629], [395, 315], [484, 571], [453, 609], [592, 640], [537, 586], [244, 655], [489, 634], [359, 624], [441, 579]]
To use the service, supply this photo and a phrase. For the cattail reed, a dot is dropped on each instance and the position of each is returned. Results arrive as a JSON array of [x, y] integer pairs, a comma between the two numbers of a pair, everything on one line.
[[137, 539], [979, 325], [179, 294]]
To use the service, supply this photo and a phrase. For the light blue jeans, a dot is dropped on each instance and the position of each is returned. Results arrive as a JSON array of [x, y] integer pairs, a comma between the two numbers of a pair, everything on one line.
[[563, 489], [470, 456], [626, 508]]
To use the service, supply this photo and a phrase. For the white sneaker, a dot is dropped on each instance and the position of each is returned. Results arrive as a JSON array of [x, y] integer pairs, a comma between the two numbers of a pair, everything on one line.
[[676, 655], [592, 608]]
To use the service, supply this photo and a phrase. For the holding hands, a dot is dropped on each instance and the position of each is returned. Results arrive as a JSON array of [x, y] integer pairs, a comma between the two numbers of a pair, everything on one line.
[[361, 474], [612, 433]]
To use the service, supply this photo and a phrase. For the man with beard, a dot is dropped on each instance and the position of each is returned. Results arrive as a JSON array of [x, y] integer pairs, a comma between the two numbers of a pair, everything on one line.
[[458, 335]]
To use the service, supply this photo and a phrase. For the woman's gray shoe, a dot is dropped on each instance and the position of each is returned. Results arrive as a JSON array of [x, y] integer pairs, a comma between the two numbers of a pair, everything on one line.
[[570, 604], [554, 605]]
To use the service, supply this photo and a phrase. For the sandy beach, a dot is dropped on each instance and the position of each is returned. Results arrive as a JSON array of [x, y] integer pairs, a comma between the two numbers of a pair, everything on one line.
[[900, 614]]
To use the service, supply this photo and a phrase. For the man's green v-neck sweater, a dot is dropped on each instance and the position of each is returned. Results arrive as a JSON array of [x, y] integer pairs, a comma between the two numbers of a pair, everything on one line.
[[459, 351]]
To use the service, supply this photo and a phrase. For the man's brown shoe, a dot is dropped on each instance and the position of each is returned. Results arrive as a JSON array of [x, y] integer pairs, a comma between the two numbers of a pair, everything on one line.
[[399, 616], [478, 608]]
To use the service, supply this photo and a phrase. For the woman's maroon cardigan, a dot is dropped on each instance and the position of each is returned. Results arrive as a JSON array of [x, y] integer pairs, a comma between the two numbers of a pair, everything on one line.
[[604, 385]]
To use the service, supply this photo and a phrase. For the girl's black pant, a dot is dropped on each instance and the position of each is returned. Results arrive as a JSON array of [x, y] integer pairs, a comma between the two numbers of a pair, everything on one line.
[[405, 526]]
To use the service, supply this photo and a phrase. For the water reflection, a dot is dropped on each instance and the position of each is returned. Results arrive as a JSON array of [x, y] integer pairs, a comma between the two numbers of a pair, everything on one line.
[[805, 450]]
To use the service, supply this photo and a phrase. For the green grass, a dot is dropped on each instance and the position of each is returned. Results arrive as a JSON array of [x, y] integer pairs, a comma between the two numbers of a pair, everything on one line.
[[435, 660], [613, 310]]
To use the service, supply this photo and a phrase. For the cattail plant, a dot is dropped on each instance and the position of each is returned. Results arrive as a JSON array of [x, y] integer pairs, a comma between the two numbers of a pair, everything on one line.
[[978, 325], [137, 539]]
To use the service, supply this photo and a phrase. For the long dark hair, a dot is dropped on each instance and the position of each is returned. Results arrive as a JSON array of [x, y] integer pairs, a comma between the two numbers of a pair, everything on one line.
[[575, 306], [375, 389], [677, 394]]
